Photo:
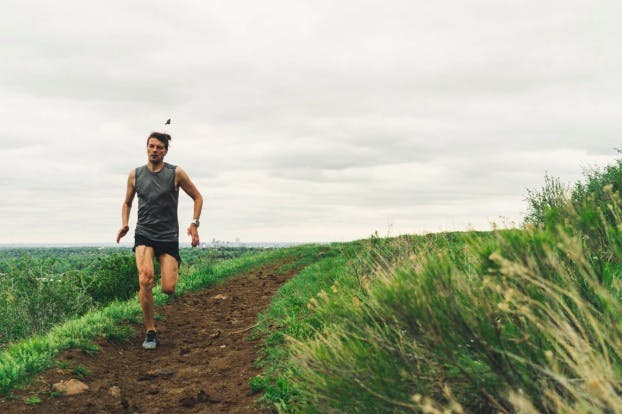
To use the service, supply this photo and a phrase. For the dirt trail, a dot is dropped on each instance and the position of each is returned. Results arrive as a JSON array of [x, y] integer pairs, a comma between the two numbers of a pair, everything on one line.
[[203, 364]]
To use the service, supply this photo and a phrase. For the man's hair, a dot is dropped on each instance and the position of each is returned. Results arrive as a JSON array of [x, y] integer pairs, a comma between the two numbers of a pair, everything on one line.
[[160, 136]]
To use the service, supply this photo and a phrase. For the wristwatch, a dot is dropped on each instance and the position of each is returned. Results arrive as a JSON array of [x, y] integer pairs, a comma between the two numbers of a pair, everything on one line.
[[195, 222]]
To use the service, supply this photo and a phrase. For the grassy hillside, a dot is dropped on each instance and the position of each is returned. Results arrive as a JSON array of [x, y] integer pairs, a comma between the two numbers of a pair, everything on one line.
[[523, 320]]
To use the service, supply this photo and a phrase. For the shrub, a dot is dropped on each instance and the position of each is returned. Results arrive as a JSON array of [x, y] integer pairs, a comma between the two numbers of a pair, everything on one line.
[[33, 300], [112, 277]]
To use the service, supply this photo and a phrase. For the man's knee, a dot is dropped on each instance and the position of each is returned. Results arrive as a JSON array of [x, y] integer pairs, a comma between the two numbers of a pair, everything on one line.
[[169, 282], [168, 289], [145, 279]]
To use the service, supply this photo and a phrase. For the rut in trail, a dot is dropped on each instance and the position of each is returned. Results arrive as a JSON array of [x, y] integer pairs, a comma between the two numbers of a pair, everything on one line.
[[203, 364]]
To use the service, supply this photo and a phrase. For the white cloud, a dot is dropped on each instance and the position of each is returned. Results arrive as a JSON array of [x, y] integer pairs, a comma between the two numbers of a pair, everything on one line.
[[302, 121]]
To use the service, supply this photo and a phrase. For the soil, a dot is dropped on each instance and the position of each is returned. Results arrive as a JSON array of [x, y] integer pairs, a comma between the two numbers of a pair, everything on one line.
[[203, 364]]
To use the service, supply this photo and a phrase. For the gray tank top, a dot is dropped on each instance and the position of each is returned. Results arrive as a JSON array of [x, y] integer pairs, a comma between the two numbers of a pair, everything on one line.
[[157, 203]]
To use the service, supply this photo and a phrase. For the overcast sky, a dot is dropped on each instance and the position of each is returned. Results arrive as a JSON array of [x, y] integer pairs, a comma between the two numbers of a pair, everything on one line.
[[302, 120]]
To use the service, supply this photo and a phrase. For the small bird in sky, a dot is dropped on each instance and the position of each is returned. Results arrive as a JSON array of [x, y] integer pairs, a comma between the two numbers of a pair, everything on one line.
[[168, 122]]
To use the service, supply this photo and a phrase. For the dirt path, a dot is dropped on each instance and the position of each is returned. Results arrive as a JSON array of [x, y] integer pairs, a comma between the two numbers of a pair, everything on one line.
[[203, 364]]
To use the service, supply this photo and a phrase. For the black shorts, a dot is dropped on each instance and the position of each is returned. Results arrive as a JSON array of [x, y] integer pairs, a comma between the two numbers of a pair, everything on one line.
[[159, 247]]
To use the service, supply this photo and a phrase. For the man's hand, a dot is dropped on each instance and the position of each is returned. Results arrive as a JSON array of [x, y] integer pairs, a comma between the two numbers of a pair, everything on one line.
[[122, 232], [194, 233]]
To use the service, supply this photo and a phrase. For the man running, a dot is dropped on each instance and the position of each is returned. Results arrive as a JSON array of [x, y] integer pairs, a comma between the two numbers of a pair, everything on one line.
[[157, 231]]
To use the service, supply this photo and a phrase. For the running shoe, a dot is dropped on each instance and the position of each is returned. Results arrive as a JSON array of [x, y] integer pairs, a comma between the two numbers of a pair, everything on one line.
[[151, 340]]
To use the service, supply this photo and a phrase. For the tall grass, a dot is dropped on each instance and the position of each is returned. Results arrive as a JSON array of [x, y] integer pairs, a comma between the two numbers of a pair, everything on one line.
[[290, 315], [524, 320]]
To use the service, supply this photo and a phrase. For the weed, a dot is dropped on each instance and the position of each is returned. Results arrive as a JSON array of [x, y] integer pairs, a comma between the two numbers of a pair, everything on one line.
[[257, 384], [33, 400], [120, 333], [89, 348], [81, 371]]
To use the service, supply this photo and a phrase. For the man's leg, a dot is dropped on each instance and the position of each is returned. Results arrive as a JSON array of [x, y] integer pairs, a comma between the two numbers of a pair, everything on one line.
[[169, 269], [144, 263]]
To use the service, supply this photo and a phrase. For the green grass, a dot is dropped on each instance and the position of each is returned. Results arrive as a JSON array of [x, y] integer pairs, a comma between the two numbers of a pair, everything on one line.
[[289, 315], [20, 361], [329, 290], [522, 320], [32, 400], [80, 370], [56, 394]]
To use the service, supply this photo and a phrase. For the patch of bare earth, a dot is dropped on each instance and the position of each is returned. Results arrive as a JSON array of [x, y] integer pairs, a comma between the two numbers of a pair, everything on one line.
[[203, 364]]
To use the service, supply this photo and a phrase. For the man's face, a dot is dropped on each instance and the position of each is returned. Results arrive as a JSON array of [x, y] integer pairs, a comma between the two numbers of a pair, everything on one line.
[[155, 150]]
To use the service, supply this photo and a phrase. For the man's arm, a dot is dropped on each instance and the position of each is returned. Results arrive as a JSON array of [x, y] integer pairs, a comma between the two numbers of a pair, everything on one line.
[[189, 188], [127, 206]]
